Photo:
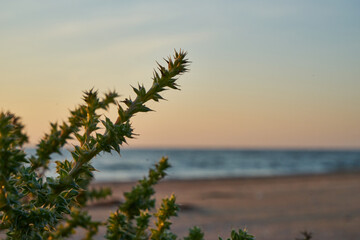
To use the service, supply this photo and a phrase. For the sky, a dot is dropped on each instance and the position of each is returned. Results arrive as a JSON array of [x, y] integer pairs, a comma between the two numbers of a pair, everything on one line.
[[264, 74]]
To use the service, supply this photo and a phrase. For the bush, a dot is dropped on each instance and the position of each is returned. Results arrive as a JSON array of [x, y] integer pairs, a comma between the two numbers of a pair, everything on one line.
[[36, 206]]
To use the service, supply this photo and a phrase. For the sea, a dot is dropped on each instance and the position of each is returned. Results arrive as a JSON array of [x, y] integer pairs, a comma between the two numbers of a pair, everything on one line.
[[133, 164]]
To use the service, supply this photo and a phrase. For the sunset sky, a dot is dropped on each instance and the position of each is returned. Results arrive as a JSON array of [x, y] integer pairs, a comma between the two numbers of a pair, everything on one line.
[[264, 74]]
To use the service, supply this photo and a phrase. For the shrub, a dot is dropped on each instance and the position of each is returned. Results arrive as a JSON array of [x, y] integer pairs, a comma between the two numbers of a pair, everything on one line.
[[36, 206]]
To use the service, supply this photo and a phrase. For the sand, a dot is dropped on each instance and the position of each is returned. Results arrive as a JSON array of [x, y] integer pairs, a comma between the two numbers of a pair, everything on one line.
[[275, 208]]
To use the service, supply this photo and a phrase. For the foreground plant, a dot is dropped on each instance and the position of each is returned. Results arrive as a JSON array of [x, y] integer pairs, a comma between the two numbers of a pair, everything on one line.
[[33, 206], [240, 235]]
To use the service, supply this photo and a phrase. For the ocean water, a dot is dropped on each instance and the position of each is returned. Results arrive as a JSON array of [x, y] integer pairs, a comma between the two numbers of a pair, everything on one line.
[[133, 164]]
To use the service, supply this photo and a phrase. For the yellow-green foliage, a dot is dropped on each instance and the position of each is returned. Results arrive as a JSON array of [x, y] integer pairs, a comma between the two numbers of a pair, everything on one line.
[[34, 206]]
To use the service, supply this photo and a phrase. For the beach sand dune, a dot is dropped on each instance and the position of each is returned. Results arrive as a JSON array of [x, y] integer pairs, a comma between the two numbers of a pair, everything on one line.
[[276, 208]]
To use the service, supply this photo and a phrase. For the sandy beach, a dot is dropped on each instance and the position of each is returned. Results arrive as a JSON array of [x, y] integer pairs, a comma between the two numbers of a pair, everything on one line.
[[276, 208]]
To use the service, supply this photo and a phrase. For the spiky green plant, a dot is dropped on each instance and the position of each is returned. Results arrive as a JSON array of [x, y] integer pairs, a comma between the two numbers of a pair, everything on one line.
[[36, 206], [240, 235]]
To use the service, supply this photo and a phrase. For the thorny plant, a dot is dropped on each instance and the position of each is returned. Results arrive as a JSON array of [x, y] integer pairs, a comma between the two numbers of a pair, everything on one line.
[[36, 206]]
